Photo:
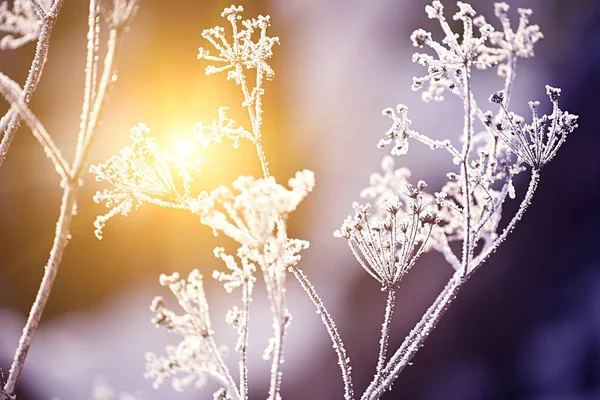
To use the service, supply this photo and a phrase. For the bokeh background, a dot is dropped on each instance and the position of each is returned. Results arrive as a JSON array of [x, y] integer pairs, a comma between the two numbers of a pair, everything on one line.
[[527, 326]]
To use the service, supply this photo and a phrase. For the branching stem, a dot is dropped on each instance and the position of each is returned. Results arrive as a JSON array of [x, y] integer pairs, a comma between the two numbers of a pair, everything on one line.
[[35, 74], [338, 344]]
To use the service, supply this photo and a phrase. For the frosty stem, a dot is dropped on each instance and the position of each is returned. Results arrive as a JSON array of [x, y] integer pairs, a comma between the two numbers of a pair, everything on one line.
[[244, 341], [414, 341], [432, 316], [252, 102], [90, 118], [467, 250], [338, 344], [35, 74], [385, 332], [60, 242]]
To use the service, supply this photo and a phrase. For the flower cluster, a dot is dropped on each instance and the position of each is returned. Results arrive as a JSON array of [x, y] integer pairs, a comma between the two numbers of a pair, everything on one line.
[[19, 24], [221, 127], [536, 143], [388, 247], [490, 48], [197, 356], [250, 213], [141, 173], [244, 51]]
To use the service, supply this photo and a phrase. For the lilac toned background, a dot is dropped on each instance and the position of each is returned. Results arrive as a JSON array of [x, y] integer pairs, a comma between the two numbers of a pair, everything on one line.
[[527, 326]]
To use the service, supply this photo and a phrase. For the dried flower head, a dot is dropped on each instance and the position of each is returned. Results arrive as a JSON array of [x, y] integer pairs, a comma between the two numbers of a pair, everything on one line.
[[141, 173], [536, 143]]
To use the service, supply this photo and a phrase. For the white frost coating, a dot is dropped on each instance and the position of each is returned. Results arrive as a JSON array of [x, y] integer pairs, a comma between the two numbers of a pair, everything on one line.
[[20, 24], [387, 238]]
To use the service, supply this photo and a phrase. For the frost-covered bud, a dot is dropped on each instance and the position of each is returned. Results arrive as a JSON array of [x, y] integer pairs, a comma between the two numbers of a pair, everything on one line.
[[221, 394], [417, 84], [440, 198], [419, 37], [435, 10], [525, 13], [552, 92], [497, 97], [501, 9], [166, 280], [488, 118], [466, 11], [430, 218]]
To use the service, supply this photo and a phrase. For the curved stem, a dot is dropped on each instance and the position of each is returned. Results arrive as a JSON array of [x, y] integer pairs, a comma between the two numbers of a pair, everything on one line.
[[414, 341], [227, 379], [338, 344], [60, 243], [533, 183], [35, 74]]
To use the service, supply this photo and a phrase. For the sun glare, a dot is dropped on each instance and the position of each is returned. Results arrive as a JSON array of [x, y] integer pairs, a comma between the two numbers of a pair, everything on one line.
[[184, 150]]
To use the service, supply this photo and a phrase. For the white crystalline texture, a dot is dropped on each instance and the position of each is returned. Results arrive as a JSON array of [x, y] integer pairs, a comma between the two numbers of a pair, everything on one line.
[[19, 24]]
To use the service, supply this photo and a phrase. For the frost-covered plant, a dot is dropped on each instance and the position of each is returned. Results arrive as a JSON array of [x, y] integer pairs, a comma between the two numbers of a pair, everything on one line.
[[24, 21], [387, 236]]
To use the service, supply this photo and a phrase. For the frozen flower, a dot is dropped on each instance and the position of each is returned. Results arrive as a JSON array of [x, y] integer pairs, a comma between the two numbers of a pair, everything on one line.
[[536, 143], [249, 213], [244, 51], [388, 248], [196, 356], [140, 174], [445, 70]]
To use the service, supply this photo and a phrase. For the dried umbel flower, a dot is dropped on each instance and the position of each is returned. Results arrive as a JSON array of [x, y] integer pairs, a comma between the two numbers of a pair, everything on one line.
[[249, 214], [196, 356], [388, 248], [141, 173], [245, 51], [536, 143], [490, 48]]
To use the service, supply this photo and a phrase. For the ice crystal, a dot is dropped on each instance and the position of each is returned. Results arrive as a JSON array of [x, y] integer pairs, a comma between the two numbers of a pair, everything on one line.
[[220, 128]]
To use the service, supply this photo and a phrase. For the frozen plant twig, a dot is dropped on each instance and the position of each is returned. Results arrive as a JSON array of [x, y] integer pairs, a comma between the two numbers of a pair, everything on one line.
[[242, 54], [71, 177], [470, 204], [30, 29]]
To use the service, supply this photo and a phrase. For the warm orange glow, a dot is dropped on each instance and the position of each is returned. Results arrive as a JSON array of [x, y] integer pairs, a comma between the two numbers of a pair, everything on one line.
[[184, 150]]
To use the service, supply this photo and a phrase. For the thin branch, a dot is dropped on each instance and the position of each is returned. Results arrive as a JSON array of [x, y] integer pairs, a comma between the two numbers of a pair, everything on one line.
[[533, 183], [414, 341], [61, 239], [35, 74], [68, 200], [244, 341], [338, 344], [468, 132], [10, 90], [39, 8], [385, 331]]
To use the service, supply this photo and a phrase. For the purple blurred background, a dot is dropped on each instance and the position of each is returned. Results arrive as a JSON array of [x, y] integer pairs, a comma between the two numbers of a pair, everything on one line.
[[527, 325]]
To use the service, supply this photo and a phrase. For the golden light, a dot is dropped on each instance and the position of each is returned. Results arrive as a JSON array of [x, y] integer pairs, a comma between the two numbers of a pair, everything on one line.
[[184, 149]]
